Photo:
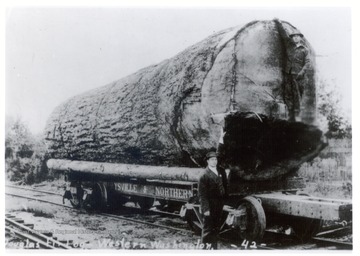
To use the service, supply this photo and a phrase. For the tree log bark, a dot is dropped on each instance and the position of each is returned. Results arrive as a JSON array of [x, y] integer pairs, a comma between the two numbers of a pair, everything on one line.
[[161, 115]]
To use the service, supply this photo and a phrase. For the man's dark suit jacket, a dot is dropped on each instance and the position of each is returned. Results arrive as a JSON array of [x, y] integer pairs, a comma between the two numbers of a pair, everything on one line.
[[211, 191]]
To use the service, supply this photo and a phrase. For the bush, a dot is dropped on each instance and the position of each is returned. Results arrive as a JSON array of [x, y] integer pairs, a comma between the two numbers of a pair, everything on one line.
[[25, 154], [330, 111]]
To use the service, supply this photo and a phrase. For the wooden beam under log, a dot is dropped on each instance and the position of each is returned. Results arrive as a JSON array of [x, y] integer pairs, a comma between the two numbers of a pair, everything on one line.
[[126, 170]]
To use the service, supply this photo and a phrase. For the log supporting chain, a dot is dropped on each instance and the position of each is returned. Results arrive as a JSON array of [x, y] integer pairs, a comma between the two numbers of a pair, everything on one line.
[[284, 53], [233, 80]]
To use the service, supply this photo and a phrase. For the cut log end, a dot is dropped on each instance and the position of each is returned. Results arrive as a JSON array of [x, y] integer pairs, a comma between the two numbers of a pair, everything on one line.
[[260, 148]]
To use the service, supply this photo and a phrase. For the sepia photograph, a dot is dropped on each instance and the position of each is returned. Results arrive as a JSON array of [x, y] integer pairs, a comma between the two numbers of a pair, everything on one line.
[[178, 128]]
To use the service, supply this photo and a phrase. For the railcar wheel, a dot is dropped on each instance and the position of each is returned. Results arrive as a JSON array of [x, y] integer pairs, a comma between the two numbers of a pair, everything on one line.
[[115, 200], [170, 206], [253, 223], [174, 206], [306, 228], [98, 198], [145, 203], [77, 193]]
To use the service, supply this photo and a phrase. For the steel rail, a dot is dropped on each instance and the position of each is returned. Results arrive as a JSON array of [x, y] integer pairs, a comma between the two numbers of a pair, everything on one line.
[[35, 190], [105, 214], [53, 193], [317, 240], [28, 233], [338, 244]]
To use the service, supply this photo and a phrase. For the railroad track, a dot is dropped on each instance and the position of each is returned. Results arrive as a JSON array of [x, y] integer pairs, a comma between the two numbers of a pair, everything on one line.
[[326, 242], [271, 239], [130, 208], [32, 239], [105, 214], [276, 241], [34, 190], [326, 238]]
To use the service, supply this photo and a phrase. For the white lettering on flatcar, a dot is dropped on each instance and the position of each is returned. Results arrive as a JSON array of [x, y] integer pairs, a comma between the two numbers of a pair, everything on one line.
[[127, 187], [157, 191], [173, 192]]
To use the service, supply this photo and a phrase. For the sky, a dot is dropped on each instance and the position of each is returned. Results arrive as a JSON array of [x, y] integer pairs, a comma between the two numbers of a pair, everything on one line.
[[55, 53]]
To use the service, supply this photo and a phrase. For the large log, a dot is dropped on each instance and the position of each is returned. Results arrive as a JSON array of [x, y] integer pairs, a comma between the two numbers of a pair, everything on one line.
[[162, 114]]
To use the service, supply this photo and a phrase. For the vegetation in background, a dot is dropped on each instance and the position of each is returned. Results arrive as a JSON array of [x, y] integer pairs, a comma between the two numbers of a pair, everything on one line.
[[25, 154], [330, 114], [330, 174]]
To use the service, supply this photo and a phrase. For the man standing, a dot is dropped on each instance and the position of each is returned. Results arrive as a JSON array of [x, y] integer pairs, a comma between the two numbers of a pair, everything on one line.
[[211, 195], [298, 64]]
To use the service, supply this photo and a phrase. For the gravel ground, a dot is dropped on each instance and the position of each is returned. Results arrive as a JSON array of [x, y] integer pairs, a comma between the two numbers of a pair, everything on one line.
[[92, 231], [89, 230]]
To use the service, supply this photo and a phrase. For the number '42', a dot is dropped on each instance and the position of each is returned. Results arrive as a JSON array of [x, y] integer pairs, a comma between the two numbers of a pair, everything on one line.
[[250, 244]]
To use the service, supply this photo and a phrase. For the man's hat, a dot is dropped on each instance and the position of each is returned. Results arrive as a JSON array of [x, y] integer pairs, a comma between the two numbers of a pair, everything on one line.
[[211, 154], [296, 34]]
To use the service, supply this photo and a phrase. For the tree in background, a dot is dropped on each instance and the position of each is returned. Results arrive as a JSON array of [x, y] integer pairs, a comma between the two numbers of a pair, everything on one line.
[[331, 113], [18, 139], [25, 154]]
